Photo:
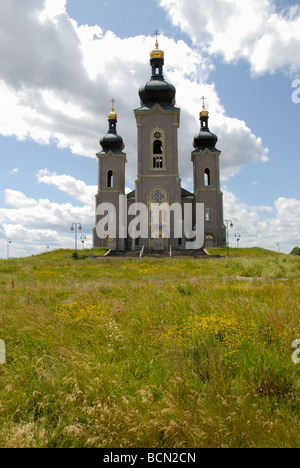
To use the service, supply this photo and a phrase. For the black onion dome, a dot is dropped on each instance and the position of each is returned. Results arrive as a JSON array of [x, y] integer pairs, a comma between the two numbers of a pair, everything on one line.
[[205, 139], [112, 141], [157, 91]]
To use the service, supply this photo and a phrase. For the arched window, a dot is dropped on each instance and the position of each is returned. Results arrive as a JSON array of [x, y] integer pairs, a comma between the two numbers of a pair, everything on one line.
[[207, 214], [158, 162], [157, 149], [207, 177], [110, 179]]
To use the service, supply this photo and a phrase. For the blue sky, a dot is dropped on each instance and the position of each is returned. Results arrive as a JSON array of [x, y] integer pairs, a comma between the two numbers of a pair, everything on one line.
[[63, 61]]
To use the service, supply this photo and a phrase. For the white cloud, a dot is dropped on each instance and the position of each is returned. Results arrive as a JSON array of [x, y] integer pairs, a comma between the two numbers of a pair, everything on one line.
[[54, 103], [56, 86], [264, 226], [248, 29], [52, 9], [2, 230], [33, 225], [14, 171], [76, 188], [43, 214], [288, 210], [18, 199], [26, 241]]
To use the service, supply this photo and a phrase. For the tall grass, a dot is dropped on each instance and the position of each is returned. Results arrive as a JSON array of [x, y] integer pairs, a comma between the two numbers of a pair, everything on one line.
[[149, 353]]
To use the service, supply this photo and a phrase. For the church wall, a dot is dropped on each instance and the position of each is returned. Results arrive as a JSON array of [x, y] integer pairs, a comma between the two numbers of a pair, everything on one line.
[[147, 121], [162, 125], [207, 191], [116, 164]]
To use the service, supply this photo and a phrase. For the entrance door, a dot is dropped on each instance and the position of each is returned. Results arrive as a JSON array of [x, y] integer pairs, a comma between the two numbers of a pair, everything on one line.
[[209, 241], [158, 244]]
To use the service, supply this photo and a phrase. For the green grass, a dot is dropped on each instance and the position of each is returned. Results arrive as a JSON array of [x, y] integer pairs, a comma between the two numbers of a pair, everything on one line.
[[166, 353]]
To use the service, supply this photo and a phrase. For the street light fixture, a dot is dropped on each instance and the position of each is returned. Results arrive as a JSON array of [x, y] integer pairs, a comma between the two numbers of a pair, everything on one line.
[[8, 244], [76, 227], [83, 239], [226, 222], [238, 238]]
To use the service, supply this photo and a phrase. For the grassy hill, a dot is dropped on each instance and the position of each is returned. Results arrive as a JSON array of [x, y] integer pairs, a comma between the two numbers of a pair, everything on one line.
[[114, 352]]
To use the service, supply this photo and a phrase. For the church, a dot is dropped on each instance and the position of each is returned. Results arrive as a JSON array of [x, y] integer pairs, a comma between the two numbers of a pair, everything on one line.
[[158, 181]]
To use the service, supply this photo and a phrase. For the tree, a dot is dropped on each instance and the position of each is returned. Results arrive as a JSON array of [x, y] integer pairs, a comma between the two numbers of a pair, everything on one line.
[[295, 251]]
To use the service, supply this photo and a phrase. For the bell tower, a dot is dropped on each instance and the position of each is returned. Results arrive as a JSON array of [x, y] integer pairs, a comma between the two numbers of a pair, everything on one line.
[[206, 161], [157, 122], [111, 179]]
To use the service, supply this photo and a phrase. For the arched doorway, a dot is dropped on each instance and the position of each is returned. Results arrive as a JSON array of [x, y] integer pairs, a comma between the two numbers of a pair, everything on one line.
[[210, 240]]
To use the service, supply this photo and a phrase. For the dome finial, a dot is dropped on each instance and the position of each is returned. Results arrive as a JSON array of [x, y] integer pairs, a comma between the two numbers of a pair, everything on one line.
[[204, 112], [157, 53], [112, 115], [156, 34]]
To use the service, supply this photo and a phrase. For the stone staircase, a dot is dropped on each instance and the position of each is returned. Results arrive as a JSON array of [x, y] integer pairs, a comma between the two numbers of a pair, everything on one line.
[[201, 253]]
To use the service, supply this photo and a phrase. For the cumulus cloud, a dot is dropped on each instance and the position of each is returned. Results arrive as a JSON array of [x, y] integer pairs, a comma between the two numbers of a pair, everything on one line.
[[289, 214], [264, 226], [52, 9], [25, 241], [250, 29], [2, 230], [76, 188], [14, 171], [43, 214], [55, 86], [18, 199], [19, 233]]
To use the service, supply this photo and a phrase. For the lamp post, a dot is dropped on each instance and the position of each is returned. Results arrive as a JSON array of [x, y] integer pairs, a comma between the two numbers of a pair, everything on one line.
[[238, 237], [278, 245], [76, 227], [8, 244], [226, 222]]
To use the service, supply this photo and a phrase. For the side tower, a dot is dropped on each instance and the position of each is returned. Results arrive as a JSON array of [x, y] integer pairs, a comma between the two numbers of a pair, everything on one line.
[[157, 121], [206, 161], [111, 180]]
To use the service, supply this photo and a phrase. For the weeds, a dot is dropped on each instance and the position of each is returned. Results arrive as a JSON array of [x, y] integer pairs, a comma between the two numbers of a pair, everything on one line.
[[152, 353]]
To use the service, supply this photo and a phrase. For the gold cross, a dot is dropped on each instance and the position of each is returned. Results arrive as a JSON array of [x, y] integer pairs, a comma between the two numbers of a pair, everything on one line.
[[203, 99], [113, 104], [156, 34]]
